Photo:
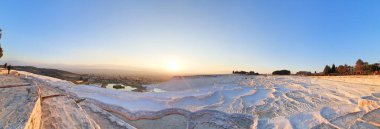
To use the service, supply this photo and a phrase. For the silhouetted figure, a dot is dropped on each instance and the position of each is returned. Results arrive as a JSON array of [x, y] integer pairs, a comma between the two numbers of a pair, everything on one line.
[[9, 69], [1, 49], [5, 65]]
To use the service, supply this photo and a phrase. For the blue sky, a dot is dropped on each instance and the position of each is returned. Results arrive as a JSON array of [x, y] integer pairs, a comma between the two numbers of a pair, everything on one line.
[[201, 36]]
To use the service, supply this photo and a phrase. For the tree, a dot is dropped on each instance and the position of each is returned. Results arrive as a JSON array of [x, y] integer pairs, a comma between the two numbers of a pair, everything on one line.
[[281, 72], [373, 67], [1, 52], [245, 73], [252, 73], [366, 68], [342, 69], [350, 69], [346, 67], [303, 73], [359, 67], [377, 66], [327, 70], [333, 69]]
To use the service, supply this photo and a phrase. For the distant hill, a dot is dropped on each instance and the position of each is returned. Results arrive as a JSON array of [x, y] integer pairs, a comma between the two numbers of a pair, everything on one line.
[[65, 75], [87, 79]]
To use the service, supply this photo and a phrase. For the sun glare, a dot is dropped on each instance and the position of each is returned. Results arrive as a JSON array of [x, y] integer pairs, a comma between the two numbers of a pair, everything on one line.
[[172, 66]]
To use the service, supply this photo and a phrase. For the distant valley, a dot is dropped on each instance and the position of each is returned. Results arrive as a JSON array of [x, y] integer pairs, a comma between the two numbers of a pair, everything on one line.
[[97, 79]]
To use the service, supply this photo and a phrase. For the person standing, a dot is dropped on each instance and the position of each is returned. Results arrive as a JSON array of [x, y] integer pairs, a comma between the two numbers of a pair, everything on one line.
[[9, 69], [1, 49]]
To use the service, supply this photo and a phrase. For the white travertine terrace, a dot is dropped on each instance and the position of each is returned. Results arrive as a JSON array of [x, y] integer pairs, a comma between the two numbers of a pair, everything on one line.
[[230, 101]]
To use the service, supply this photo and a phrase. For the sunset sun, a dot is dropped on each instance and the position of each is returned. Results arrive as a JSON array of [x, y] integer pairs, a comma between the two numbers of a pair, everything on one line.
[[172, 66]]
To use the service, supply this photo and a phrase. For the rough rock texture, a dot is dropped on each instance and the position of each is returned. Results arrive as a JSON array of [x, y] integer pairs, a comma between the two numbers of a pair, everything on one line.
[[179, 118], [218, 102], [16, 103], [60, 110], [358, 79], [169, 122], [35, 117], [372, 116], [21, 108]]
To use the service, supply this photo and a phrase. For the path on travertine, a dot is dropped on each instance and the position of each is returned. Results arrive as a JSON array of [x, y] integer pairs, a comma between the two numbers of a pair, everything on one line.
[[17, 100], [60, 110]]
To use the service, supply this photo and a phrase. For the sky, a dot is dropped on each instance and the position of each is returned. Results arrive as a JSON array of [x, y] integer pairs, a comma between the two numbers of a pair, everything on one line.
[[191, 36]]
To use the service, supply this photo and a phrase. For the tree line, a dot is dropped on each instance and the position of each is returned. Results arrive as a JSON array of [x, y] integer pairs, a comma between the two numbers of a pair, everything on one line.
[[360, 68], [281, 72], [245, 73]]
